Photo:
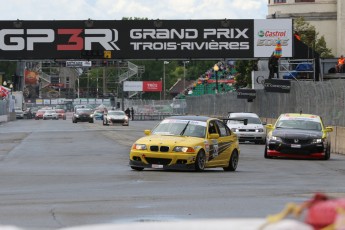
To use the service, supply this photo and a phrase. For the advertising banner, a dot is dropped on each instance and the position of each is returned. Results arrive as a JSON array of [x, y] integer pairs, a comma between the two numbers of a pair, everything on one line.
[[246, 94], [152, 86], [144, 39], [132, 86], [277, 85]]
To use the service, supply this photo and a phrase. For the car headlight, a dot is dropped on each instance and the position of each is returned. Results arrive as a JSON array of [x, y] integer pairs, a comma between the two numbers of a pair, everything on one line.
[[183, 149], [259, 130], [317, 141], [77, 115], [91, 115], [139, 147], [234, 130], [274, 138]]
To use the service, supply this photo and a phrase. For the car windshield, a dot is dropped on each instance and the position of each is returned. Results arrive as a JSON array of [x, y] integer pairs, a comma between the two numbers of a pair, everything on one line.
[[299, 124], [251, 120], [119, 113], [83, 111], [181, 128], [50, 111]]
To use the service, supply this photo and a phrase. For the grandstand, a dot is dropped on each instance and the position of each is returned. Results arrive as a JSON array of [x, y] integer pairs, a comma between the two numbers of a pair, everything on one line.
[[206, 83]]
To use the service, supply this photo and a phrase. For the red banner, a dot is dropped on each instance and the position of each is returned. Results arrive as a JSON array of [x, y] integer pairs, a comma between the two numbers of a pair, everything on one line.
[[152, 86]]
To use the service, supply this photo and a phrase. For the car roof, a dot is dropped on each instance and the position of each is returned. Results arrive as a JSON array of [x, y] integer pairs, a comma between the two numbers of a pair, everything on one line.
[[299, 115], [191, 117], [242, 114]]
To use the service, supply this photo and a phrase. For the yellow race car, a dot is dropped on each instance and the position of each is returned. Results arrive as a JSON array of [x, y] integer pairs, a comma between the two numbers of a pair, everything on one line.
[[186, 143]]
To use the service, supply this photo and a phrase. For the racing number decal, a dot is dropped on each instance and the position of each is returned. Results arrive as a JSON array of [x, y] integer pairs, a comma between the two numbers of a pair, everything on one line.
[[215, 150]]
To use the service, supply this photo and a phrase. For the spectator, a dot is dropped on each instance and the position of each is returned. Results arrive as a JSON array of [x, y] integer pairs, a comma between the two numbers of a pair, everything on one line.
[[273, 66], [339, 67], [132, 113]]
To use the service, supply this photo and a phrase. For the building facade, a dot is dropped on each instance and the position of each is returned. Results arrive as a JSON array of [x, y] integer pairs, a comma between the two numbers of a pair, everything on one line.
[[327, 16]]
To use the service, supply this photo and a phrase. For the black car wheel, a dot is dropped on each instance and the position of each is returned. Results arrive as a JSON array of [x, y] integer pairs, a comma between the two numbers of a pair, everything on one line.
[[328, 153], [200, 161], [265, 155], [137, 168], [233, 162]]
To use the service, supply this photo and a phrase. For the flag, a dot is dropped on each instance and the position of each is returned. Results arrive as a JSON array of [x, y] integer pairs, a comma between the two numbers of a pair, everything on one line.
[[4, 91]]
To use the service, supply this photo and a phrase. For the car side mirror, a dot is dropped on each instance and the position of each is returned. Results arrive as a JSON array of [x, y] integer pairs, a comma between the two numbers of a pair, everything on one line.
[[269, 126], [264, 123], [147, 132], [329, 129], [214, 136]]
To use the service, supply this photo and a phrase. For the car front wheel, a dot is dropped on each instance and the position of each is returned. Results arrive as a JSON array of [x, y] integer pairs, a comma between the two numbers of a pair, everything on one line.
[[233, 162], [200, 161]]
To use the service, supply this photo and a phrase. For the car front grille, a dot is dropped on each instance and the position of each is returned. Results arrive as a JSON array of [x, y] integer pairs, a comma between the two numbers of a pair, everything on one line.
[[297, 141], [246, 130], [159, 161], [156, 148]]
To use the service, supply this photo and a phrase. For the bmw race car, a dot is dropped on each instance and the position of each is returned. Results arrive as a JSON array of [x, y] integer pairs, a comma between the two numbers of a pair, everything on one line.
[[186, 143]]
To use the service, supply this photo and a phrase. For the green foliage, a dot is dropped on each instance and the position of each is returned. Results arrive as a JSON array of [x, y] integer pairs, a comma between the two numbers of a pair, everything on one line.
[[8, 68], [244, 69], [309, 36]]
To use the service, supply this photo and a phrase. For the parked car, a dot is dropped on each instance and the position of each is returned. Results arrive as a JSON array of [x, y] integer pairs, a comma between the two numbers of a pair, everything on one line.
[[297, 135], [115, 117], [50, 114], [82, 114], [254, 131], [61, 113], [187, 143], [19, 113]]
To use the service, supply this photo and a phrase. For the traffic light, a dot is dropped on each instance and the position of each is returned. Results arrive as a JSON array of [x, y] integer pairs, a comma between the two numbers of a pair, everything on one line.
[[92, 54]]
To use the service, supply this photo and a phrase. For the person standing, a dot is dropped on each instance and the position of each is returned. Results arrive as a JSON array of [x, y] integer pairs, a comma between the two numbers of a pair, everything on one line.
[[273, 66], [132, 113]]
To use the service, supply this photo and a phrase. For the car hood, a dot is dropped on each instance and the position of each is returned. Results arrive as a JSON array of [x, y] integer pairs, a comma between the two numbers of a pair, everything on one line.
[[170, 140], [297, 133]]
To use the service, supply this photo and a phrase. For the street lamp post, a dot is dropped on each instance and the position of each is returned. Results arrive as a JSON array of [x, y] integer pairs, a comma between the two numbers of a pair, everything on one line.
[[216, 68], [164, 63], [184, 75]]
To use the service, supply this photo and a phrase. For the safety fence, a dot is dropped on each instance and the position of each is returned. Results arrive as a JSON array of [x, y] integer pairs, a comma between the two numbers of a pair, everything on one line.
[[322, 98]]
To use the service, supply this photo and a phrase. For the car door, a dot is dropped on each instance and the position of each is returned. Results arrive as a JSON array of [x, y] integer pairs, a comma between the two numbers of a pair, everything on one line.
[[219, 148]]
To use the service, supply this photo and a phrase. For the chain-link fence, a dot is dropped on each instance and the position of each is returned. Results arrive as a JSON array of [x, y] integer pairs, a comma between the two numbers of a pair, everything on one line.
[[322, 98]]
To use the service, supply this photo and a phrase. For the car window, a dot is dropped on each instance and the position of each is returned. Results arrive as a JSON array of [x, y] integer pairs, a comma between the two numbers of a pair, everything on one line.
[[223, 129], [116, 113], [299, 124], [212, 128], [251, 120], [180, 127]]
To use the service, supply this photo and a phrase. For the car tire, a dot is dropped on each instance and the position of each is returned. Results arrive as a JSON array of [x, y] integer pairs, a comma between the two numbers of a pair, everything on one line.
[[137, 168], [233, 162], [265, 155], [327, 153], [200, 161]]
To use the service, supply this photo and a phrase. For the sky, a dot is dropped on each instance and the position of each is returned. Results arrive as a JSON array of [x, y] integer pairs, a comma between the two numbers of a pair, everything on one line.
[[117, 9]]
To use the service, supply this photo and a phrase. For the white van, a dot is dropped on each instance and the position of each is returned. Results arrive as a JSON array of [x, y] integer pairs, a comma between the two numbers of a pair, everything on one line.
[[254, 131]]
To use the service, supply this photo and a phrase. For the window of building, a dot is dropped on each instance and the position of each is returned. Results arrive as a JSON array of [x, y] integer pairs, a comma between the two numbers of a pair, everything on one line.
[[304, 1], [279, 1]]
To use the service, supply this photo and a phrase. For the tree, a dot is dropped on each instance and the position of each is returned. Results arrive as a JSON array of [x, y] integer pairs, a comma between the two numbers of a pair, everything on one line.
[[310, 37]]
